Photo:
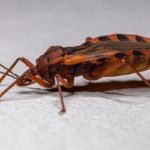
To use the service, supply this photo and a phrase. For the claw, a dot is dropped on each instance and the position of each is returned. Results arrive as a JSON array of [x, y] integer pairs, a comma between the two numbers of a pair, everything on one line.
[[62, 111]]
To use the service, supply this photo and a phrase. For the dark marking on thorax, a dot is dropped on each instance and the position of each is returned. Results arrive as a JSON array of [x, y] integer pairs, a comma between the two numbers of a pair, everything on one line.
[[70, 50]]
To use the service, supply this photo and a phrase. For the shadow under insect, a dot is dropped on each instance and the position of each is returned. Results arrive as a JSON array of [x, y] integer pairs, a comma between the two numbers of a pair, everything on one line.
[[104, 86], [106, 89]]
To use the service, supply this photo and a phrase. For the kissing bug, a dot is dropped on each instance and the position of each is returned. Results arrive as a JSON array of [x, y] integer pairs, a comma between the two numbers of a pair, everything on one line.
[[104, 56]]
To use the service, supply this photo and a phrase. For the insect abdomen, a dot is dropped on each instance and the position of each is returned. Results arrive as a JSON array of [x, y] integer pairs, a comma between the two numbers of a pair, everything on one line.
[[139, 59], [119, 38]]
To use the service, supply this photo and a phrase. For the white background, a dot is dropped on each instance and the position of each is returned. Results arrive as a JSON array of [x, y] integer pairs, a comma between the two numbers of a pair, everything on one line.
[[106, 118]]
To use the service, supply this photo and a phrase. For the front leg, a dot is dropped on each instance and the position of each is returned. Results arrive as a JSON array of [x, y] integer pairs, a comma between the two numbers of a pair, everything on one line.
[[8, 70], [68, 84]]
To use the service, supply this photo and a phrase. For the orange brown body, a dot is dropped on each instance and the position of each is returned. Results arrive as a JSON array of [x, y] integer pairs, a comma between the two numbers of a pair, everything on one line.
[[104, 56], [93, 58]]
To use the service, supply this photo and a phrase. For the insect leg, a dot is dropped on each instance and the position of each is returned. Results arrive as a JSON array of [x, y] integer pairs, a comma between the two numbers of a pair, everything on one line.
[[39, 81], [10, 71], [9, 87], [10, 75], [22, 59], [63, 109], [68, 83], [134, 69], [30, 76]]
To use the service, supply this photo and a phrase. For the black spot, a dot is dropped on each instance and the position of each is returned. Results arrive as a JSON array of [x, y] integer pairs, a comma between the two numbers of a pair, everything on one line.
[[83, 68], [102, 60], [87, 44], [48, 59], [53, 69], [88, 67], [139, 39], [122, 37], [137, 53], [104, 38], [69, 50], [120, 55]]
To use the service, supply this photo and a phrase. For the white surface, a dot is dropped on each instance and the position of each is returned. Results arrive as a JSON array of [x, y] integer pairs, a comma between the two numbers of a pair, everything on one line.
[[118, 119]]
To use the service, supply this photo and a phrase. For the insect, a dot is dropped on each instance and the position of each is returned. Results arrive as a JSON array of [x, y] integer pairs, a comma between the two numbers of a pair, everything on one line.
[[104, 56]]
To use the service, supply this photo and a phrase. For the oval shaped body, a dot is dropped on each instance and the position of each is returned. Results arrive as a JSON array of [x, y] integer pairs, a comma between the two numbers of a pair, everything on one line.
[[96, 56]]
